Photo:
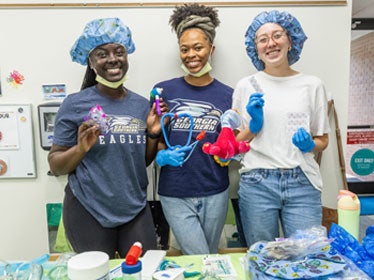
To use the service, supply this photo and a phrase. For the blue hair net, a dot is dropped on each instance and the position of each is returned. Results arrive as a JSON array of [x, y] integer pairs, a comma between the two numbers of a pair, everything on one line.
[[99, 32], [288, 22]]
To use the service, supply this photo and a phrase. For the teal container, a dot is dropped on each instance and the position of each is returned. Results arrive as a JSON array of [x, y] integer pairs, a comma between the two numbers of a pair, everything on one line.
[[349, 212]]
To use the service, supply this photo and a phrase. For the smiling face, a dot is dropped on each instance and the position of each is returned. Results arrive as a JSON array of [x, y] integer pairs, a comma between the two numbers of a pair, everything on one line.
[[195, 49], [272, 44], [110, 61]]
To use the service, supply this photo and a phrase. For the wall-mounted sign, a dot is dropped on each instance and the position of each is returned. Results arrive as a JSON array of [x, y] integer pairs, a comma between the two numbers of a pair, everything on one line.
[[362, 162], [360, 137], [56, 91]]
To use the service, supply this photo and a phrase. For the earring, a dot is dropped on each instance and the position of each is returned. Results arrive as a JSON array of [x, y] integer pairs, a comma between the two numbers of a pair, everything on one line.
[[290, 48]]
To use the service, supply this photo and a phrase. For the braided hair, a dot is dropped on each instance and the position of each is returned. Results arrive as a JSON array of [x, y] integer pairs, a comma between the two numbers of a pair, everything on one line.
[[195, 16]]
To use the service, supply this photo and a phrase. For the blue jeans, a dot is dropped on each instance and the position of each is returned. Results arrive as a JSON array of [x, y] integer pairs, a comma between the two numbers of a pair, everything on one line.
[[196, 222], [267, 196]]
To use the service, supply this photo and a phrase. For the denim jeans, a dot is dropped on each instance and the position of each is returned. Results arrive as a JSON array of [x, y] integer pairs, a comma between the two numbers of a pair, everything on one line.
[[196, 222], [267, 196]]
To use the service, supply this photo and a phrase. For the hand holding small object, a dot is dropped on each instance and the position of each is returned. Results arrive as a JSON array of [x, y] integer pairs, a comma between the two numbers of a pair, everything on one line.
[[255, 110], [174, 157], [173, 154], [155, 93], [87, 136], [303, 140]]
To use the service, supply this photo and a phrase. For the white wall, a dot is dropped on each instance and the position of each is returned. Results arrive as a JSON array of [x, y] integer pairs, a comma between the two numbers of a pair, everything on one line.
[[36, 42]]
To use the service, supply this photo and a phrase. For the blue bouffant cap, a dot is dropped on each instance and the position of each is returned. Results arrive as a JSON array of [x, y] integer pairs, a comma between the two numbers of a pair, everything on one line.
[[288, 22], [99, 32]]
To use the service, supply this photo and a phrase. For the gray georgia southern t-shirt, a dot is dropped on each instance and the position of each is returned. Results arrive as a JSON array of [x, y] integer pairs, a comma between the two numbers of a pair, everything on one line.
[[111, 180]]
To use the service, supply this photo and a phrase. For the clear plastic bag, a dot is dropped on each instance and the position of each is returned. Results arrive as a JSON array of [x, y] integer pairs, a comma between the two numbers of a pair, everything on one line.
[[299, 245], [60, 269]]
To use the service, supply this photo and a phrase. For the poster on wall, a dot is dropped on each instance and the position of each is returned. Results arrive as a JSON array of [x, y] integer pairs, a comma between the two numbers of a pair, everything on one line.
[[9, 130], [360, 160], [54, 92], [361, 143]]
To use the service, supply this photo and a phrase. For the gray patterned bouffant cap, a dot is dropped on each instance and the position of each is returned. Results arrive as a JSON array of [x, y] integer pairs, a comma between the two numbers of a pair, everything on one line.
[[99, 32]]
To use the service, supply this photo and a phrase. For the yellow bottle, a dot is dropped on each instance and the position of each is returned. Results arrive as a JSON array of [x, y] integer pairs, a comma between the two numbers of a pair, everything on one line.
[[349, 212]]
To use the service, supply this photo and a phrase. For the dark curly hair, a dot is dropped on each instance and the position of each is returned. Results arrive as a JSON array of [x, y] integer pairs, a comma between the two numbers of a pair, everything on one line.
[[194, 16]]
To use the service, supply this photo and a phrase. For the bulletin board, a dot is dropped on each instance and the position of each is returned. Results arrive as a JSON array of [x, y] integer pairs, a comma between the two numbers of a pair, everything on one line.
[[17, 159]]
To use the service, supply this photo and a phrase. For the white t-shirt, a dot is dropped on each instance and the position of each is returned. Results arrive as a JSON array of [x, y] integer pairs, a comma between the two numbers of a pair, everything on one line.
[[290, 103]]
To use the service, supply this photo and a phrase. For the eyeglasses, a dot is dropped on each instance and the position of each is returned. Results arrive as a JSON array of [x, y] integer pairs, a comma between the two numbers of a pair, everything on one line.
[[276, 36]]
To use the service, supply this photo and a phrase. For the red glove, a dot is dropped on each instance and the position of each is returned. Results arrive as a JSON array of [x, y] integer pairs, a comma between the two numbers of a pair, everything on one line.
[[226, 146]]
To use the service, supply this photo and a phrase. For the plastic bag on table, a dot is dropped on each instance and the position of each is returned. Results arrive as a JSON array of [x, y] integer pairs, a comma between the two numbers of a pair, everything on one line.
[[299, 245]]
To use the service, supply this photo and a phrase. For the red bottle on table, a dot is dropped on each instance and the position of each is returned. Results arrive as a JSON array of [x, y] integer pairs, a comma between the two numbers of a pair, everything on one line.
[[134, 253]]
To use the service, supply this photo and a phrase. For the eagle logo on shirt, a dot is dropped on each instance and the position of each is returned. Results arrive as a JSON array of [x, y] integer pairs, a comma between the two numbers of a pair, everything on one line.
[[205, 115], [125, 124]]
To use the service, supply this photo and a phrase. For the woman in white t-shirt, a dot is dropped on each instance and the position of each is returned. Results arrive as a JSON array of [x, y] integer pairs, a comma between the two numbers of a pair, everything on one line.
[[284, 114]]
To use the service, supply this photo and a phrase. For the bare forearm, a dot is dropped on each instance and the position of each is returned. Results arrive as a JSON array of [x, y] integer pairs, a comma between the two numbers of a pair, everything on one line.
[[244, 135], [321, 143], [151, 150], [64, 162]]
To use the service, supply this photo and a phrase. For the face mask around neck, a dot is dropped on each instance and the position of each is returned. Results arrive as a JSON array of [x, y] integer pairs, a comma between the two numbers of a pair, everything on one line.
[[206, 69], [109, 84]]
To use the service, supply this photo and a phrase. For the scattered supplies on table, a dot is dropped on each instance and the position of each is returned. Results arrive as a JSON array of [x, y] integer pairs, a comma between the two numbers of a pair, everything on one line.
[[187, 272], [219, 266]]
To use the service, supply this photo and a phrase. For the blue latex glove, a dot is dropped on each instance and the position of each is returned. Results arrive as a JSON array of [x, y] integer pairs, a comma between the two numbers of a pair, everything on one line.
[[303, 140], [173, 157], [254, 109]]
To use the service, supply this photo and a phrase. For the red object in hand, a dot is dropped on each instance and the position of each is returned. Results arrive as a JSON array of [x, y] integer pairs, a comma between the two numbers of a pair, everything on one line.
[[134, 253], [226, 145]]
